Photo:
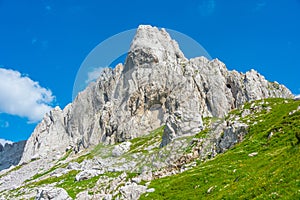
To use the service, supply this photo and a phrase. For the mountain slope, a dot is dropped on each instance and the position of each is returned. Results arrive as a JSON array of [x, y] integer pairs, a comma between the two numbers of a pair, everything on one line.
[[241, 174], [263, 165]]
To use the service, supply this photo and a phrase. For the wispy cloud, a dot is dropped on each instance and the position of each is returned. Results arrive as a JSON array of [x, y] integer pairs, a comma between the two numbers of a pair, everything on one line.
[[93, 75], [21, 96], [207, 7]]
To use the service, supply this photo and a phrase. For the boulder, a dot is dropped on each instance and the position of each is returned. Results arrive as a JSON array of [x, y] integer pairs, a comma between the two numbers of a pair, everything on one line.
[[48, 193], [74, 166], [121, 149], [253, 154], [233, 134], [87, 174], [132, 191]]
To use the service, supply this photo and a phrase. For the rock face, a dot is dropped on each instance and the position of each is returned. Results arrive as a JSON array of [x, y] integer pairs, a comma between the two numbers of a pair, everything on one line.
[[10, 154], [233, 134], [156, 86], [49, 137]]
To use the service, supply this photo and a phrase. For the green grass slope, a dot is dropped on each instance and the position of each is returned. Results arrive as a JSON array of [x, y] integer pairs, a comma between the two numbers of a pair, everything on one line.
[[274, 173]]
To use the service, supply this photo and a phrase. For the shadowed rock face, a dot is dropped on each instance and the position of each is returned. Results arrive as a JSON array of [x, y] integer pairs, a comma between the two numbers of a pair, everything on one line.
[[156, 86], [10, 154]]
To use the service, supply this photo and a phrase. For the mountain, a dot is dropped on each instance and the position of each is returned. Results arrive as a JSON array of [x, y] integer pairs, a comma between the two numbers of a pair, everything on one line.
[[3, 142], [11, 153], [157, 115], [156, 86]]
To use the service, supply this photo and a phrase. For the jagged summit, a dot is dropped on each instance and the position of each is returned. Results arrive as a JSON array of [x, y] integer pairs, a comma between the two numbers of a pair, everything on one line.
[[152, 45], [156, 86]]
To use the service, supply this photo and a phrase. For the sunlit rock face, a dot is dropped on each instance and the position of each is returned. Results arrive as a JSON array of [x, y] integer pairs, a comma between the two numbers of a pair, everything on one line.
[[156, 86]]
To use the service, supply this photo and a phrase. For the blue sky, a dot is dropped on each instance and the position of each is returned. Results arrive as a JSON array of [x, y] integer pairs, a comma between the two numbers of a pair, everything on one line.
[[44, 42]]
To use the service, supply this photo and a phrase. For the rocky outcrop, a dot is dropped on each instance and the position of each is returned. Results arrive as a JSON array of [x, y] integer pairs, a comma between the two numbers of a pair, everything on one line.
[[121, 149], [49, 139], [48, 193], [132, 191], [87, 174], [157, 85], [10, 154], [232, 134], [222, 135]]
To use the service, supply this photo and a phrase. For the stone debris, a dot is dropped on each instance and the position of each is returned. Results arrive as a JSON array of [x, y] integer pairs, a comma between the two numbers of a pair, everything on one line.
[[48, 193], [253, 154], [121, 149], [87, 174]]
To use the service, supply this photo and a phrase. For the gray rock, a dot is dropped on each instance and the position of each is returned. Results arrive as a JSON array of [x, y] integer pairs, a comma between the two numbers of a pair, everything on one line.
[[87, 174], [233, 134], [132, 191], [74, 166], [44, 140], [10, 154], [59, 172], [136, 180], [210, 189], [150, 190], [48, 193], [107, 197], [253, 154], [146, 176], [115, 183], [121, 149], [86, 196], [245, 113]]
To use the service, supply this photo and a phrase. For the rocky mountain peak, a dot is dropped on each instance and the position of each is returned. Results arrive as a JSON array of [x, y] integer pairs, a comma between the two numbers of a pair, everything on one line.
[[157, 86], [151, 45]]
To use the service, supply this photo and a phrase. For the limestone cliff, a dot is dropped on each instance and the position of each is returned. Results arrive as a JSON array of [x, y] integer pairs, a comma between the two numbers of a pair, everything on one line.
[[157, 85], [10, 154]]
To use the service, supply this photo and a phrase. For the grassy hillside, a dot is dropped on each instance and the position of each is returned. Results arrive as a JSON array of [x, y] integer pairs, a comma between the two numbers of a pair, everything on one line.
[[266, 165], [274, 173]]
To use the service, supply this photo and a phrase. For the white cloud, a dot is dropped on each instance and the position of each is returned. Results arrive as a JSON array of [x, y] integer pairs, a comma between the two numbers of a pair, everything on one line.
[[21, 96], [3, 142], [93, 75], [297, 96]]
